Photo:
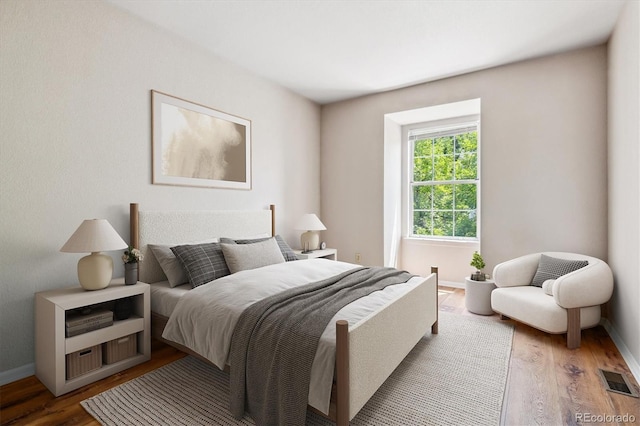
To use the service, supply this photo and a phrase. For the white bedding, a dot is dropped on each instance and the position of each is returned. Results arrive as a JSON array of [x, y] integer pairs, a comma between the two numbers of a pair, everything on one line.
[[164, 298], [204, 318]]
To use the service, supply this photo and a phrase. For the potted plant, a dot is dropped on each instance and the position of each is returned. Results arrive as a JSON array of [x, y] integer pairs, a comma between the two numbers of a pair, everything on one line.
[[131, 257], [478, 288], [478, 263]]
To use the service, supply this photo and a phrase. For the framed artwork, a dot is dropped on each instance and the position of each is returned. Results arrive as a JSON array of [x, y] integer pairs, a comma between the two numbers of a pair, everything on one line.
[[194, 145]]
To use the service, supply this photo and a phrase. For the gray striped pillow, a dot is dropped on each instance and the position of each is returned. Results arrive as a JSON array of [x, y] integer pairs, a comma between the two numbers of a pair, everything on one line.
[[202, 262], [551, 268]]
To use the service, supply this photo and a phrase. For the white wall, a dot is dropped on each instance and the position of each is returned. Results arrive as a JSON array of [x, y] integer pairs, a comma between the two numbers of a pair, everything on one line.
[[624, 181], [451, 257], [75, 81], [544, 169]]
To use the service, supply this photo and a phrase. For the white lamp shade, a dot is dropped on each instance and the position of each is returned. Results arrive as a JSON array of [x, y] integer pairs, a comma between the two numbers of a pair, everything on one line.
[[93, 236], [309, 222]]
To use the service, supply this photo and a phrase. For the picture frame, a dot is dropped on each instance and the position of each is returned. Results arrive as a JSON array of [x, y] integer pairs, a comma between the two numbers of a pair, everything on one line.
[[195, 145]]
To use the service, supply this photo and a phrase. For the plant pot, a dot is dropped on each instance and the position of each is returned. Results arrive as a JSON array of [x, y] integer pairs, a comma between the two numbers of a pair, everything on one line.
[[478, 276], [130, 273], [478, 296]]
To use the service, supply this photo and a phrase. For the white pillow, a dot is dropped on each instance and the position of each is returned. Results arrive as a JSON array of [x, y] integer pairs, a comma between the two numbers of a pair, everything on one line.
[[547, 287], [170, 264], [240, 257]]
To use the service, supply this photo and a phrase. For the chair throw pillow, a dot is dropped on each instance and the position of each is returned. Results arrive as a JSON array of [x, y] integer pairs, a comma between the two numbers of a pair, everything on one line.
[[547, 287], [551, 268], [202, 262]]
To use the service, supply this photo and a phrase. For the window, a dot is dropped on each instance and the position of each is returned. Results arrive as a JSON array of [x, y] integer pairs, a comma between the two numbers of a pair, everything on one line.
[[444, 182]]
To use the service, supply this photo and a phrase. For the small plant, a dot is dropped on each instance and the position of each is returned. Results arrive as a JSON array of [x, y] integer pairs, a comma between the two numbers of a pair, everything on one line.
[[132, 255], [478, 263]]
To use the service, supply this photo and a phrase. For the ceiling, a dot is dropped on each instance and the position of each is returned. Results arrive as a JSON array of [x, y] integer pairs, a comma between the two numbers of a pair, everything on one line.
[[331, 50]]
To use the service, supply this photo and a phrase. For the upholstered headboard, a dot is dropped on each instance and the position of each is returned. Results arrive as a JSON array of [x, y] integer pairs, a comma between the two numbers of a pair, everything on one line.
[[183, 227]]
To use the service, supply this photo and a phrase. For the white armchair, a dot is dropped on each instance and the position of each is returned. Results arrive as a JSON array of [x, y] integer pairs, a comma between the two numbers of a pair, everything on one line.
[[569, 304]]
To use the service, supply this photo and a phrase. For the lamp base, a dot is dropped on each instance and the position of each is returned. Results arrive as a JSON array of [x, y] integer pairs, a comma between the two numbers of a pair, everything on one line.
[[95, 271], [309, 241]]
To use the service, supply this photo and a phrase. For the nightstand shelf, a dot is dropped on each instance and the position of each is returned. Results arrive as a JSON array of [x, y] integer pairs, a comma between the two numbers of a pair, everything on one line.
[[118, 329], [331, 254], [53, 347]]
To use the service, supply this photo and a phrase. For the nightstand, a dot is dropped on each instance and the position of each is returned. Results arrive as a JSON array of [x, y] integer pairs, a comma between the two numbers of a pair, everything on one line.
[[331, 254], [53, 347], [477, 296]]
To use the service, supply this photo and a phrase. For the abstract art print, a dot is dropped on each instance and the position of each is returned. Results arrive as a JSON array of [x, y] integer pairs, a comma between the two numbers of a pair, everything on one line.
[[194, 145]]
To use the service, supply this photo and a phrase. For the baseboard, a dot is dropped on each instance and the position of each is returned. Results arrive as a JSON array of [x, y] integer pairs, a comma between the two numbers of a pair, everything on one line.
[[632, 363], [17, 373], [450, 284]]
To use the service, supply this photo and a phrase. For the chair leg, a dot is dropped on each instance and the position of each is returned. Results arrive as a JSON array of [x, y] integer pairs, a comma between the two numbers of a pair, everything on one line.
[[573, 328]]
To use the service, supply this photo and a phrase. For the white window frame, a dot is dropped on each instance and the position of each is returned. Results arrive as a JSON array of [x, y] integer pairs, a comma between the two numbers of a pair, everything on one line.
[[440, 126]]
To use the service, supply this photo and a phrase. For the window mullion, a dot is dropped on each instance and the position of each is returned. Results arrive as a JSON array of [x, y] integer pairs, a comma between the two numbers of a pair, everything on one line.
[[444, 182]]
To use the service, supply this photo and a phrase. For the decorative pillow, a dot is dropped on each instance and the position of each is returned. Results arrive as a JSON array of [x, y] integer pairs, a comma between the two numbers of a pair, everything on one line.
[[250, 256], [287, 253], [547, 287], [551, 268], [170, 265], [202, 262]]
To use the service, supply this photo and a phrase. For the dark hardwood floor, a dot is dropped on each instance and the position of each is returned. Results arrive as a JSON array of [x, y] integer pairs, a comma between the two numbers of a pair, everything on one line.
[[547, 385]]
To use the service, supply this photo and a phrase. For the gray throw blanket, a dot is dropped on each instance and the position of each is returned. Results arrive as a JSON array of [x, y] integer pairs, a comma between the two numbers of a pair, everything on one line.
[[275, 341]]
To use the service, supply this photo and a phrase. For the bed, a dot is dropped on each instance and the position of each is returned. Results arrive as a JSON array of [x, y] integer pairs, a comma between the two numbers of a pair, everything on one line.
[[367, 349]]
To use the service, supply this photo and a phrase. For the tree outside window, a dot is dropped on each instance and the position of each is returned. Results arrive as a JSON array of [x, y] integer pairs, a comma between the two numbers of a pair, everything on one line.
[[444, 183]]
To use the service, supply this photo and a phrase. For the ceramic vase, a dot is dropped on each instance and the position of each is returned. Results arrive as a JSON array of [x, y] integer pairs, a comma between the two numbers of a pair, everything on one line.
[[130, 273]]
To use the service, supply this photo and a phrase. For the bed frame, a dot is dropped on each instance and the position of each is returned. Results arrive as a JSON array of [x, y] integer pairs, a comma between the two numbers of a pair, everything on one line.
[[366, 354]]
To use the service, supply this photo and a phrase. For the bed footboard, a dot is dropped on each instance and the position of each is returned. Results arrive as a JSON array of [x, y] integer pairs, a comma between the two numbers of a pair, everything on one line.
[[377, 344]]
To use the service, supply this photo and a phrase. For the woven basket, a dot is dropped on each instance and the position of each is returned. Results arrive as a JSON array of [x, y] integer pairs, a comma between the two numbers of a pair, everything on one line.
[[121, 348], [83, 361]]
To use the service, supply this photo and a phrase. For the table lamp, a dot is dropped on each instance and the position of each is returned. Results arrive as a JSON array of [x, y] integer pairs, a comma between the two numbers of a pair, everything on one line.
[[93, 236], [310, 239]]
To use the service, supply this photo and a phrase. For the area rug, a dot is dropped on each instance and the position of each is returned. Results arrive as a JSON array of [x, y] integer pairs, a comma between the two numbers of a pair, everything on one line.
[[456, 377]]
